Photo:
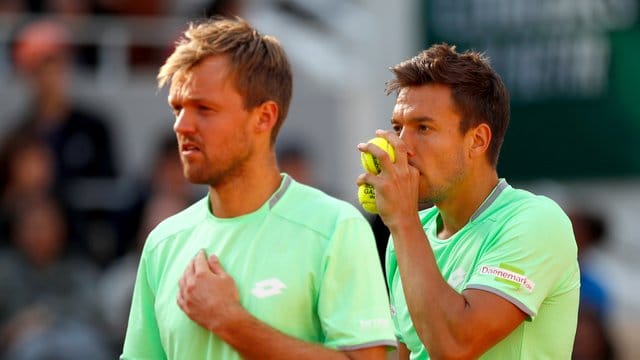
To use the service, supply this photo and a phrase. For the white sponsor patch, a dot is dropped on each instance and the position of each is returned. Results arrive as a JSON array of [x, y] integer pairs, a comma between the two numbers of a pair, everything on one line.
[[508, 275], [373, 323]]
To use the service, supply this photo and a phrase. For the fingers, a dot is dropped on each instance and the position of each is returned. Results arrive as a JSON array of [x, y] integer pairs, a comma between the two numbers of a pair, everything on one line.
[[366, 178], [215, 266], [401, 149], [182, 286], [197, 265], [200, 262], [180, 299]]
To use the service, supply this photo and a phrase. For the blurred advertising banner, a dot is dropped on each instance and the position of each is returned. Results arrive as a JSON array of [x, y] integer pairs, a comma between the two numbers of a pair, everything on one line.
[[572, 69]]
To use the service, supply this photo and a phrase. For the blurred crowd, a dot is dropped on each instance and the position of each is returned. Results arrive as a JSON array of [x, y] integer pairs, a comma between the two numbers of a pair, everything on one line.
[[69, 250], [69, 237]]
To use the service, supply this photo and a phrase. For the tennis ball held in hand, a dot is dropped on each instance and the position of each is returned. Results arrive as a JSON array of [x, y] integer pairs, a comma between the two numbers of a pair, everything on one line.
[[367, 198], [369, 162], [366, 192]]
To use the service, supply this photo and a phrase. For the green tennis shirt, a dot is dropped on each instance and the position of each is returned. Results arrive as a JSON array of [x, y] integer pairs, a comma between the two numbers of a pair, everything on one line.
[[304, 263], [518, 246]]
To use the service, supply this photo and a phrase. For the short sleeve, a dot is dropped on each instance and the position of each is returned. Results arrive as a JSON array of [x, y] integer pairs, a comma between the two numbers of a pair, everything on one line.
[[353, 305], [532, 256], [142, 340], [391, 266]]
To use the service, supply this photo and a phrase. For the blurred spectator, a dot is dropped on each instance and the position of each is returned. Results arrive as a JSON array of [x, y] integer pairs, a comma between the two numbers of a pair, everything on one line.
[[79, 138], [12, 6], [51, 311], [223, 7], [294, 160], [169, 193], [138, 7], [76, 15], [139, 55], [26, 169], [589, 230], [115, 287], [208, 8], [164, 177], [69, 7], [593, 339]]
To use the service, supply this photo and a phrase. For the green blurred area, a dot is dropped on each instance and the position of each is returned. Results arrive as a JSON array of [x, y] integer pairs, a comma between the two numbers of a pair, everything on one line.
[[568, 121]]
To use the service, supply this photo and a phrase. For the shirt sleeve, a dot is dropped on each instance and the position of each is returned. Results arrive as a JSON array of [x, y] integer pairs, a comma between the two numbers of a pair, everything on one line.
[[391, 266], [353, 305], [142, 340], [528, 257]]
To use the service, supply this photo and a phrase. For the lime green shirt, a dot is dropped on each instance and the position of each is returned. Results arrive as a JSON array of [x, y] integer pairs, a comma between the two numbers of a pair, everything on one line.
[[304, 263], [518, 246]]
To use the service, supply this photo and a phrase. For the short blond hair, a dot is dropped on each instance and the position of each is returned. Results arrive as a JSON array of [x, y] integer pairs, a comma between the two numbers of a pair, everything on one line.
[[258, 64]]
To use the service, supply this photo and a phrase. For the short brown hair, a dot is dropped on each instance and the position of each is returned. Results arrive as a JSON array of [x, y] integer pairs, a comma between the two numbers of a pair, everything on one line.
[[477, 90], [259, 65]]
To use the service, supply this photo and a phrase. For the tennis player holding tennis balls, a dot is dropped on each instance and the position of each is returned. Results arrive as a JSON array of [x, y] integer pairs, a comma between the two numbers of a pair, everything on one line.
[[489, 271]]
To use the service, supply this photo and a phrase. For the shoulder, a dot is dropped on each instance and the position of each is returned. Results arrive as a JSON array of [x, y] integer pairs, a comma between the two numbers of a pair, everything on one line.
[[522, 205], [314, 209], [173, 225], [532, 219]]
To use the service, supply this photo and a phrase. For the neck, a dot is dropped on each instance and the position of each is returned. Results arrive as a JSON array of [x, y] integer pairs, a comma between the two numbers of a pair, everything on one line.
[[245, 193], [457, 209]]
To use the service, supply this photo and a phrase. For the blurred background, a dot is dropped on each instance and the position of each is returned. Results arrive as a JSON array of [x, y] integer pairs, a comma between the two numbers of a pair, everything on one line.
[[88, 162]]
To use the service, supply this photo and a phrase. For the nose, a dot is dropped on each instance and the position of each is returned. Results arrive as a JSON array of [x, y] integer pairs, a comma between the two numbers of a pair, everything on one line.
[[184, 123], [407, 138]]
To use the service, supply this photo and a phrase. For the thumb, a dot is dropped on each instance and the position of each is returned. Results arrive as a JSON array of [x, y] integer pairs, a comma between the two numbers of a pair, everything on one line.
[[214, 264], [200, 262]]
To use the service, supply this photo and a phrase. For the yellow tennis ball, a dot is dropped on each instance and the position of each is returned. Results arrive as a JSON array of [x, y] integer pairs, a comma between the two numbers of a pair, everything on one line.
[[370, 163], [367, 198]]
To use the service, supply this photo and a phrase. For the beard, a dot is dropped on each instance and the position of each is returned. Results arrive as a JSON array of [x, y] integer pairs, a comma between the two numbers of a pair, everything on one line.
[[435, 193], [229, 163]]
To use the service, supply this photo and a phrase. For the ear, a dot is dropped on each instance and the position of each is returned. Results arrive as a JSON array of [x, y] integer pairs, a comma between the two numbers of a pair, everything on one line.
[[267, 116], [479, 139]]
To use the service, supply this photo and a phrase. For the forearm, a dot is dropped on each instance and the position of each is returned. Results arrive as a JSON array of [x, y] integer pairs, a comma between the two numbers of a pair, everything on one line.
[[253, 339], [438, 312]]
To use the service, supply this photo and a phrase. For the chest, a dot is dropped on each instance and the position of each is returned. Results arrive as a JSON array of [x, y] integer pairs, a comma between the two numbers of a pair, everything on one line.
[[277, 278]]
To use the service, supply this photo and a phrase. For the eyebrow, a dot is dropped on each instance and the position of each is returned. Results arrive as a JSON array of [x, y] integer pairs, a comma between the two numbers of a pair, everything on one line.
[[172, 100], [419, 119]]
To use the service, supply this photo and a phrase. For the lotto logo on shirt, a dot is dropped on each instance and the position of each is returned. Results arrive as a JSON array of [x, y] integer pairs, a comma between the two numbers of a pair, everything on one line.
[[269, 287], [510, 275]]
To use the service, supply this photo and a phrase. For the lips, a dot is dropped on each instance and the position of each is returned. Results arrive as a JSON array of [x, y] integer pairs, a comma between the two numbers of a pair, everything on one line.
[[189, 148]]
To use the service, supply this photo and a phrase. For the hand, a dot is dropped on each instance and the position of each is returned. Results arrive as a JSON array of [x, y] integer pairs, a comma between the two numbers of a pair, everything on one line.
[[207, 294], [397, 184]]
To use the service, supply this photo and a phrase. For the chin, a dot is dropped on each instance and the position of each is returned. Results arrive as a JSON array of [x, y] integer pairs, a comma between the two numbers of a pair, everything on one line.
[[195, 177]]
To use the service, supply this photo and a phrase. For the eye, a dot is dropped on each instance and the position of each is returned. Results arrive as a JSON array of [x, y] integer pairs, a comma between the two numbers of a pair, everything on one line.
[[176, 110], [423, 128], [397, 129], [204, 109]]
